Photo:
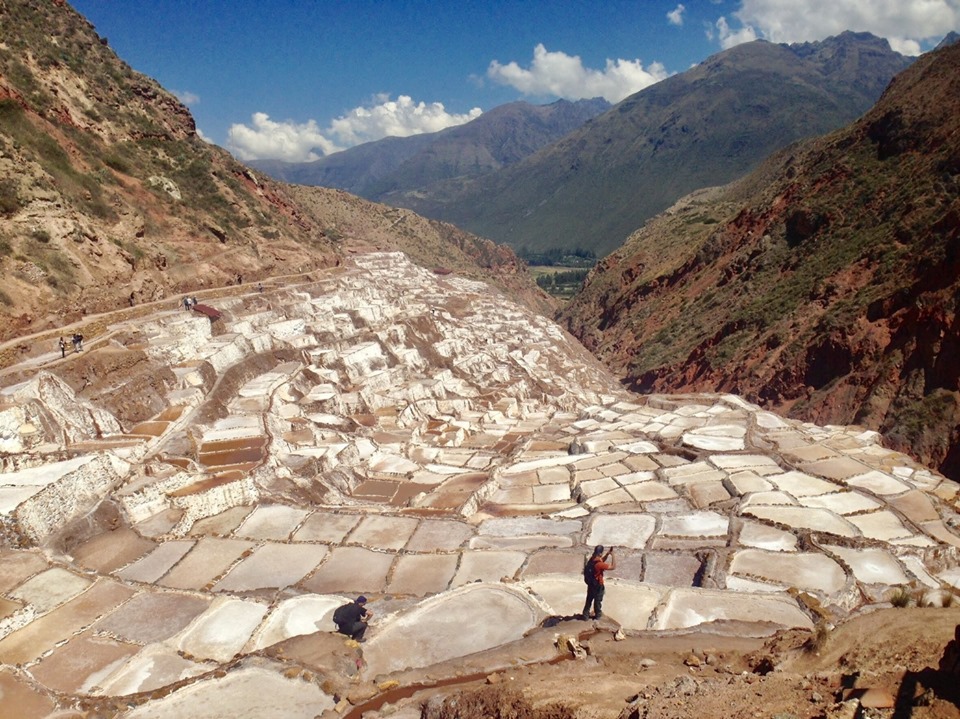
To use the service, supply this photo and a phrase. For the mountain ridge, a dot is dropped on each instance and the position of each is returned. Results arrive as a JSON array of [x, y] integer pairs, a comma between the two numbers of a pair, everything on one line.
[[499, 137], [699, 128]]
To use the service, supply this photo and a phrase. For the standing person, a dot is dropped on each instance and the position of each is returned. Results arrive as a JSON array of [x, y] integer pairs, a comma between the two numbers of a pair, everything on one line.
[[593, 576], [63, 348], [351, 619]]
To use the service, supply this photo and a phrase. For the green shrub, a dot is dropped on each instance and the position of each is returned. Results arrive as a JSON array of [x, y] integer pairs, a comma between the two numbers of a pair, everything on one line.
[[901, 598], [9, 197]]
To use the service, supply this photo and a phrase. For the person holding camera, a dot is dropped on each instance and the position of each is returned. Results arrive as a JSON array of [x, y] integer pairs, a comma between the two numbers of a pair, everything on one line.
[[593, 577]]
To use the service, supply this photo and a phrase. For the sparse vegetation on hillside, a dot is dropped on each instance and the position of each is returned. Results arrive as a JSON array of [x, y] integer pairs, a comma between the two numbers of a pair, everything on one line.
[[133, 204]]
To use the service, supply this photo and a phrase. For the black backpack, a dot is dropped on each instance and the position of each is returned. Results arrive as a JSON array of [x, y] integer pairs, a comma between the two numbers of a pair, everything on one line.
[[340, 614], [590, 572]]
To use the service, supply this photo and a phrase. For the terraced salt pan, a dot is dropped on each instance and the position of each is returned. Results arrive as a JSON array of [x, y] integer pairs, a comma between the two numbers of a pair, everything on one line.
[[527, 526], [44, 498], [666, 569], [153, 616], [41, 635], [384, 532], [883, 525], [526, 544], [743, 483], [234, 427], [628, 603], [715, 439], [274, 521], [294, 617], [272, 566], [351, 570], [820, 520], [799, 484], [326, 527], [251, 692], [650, 492], [843, 503], [50, 589], [498, 615], [916, 506], [222, 630], [630, 530], [488, 566], [759, 464], [29, 703], [684, 608], [555, 562], [209, 559], [760, 536], [696, 524], [871, 566], [16, 566], [813, 572], [461, 436], [683, 474], [81, 664], [154, 565], [154, 667]]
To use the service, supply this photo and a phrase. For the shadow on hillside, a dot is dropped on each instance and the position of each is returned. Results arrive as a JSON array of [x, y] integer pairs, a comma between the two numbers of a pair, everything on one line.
[[920, 688]]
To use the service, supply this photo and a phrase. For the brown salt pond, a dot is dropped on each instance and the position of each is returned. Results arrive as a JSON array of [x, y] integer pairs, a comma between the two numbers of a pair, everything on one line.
[[226, 453], [20, 700], [208, 484]]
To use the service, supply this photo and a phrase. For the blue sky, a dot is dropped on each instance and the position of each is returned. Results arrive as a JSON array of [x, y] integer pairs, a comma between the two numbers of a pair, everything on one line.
[[298, 79]]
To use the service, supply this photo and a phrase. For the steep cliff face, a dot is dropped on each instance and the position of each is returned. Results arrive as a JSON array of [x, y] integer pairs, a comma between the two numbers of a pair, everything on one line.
[[108, 196], [824, 285]]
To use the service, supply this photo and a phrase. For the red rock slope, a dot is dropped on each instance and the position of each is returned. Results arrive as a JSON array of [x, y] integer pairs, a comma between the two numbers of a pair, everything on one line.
[[825, 285]]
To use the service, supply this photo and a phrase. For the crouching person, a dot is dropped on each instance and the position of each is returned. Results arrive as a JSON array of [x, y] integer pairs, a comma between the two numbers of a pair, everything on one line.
[[351, 619]]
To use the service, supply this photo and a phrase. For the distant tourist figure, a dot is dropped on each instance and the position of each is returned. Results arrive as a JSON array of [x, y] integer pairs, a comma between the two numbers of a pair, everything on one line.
[[78, 342], [186, 303], [351, 619], [259, 287], [63, 348], [593, 577], [239, 279]]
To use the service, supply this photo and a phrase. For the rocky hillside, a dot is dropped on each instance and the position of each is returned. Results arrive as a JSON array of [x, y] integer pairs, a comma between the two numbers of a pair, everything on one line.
[[429, 162], [108, 197], [825, 285], [704, 127]]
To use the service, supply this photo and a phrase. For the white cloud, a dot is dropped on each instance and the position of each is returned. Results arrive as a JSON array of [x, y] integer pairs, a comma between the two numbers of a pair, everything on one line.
[[729, 37], [300, 142], [907, 24], [186, 97], [268, 139], [557, 74], [675, 16], [397, 118]]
